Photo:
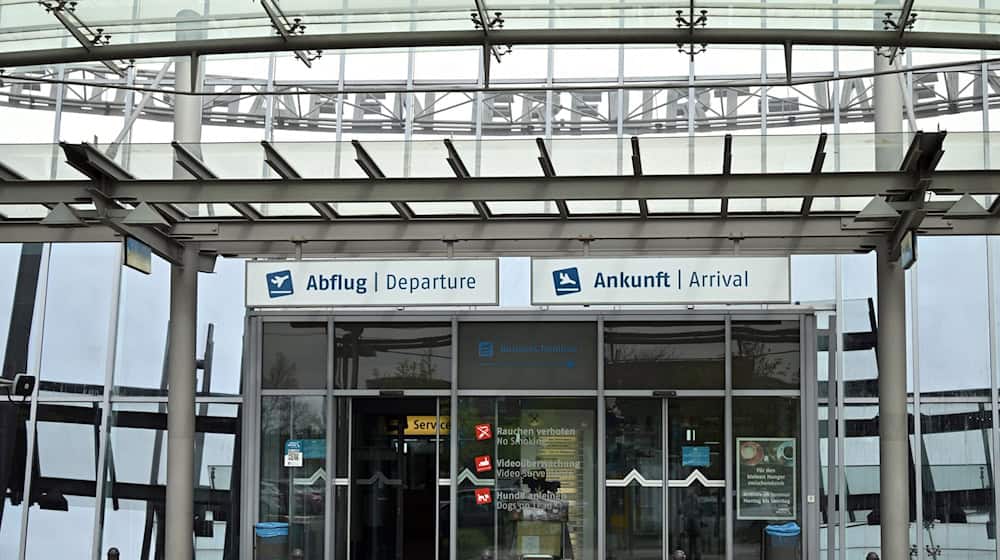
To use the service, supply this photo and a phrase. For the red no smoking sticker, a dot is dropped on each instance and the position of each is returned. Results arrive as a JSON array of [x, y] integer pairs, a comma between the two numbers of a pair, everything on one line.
[[483, 463], [483, 497], [484, 431]]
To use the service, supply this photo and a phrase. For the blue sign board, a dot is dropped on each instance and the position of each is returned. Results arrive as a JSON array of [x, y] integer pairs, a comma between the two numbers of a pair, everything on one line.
[[695, 456]]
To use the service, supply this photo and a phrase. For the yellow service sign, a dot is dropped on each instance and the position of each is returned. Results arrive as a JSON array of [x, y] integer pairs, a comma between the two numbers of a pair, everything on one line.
[[425, 425]]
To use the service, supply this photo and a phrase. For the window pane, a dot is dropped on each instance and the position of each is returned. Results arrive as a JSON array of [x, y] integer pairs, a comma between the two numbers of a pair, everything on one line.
[[957, 479], [294, 355], [635, 511], [539, 499], [64, 493], [392, 356], [765, 354], [295, 494], [761, 422], [136, 477], [664, 355], [527, 356]]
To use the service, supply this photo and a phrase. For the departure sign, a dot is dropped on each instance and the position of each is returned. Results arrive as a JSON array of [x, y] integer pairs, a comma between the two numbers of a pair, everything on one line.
[[339, 283]]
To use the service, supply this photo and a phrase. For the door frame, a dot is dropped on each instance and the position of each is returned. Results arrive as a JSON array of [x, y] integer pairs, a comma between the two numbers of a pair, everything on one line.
[[807, 393]]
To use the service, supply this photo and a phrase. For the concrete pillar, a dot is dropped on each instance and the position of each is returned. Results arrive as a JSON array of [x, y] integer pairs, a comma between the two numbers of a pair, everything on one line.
[[894, 445], [887, 104], [182, 346], [180, 406], [187, 108]]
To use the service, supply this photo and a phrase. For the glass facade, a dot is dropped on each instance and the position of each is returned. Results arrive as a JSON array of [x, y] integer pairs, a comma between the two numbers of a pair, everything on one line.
[[549, 462], [102, 390]]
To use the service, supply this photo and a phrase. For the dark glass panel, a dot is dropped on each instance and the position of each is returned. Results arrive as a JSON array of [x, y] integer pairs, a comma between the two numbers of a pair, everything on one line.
[[664, 355], [766, 354], [294, 355], [393, 355]]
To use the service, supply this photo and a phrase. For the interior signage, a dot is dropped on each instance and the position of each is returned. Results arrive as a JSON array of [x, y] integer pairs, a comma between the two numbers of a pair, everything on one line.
[[649, 280], [371, 283], [765, 479], [426, 426]]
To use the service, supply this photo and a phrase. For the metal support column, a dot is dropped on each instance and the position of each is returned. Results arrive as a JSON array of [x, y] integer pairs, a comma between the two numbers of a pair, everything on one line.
[[187, 108], [894, 443], [888, 108], [180, 406]]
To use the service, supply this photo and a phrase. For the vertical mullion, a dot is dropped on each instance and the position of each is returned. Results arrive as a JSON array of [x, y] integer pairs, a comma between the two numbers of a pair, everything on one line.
[[832, 435], [841, 416], [350, 470], [330, 510], [730, 522], [251, 425], [35, 368], [601, 446], [453, 443], [994, 412], [913, 322], [665, 459], [437, 477], [105, 429]]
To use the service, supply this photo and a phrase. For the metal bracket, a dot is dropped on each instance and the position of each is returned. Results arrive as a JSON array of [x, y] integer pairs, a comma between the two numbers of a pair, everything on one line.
[[691, 22]]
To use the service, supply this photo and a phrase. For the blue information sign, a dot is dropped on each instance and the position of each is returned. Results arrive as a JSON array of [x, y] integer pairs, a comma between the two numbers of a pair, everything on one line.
[[695, 456]]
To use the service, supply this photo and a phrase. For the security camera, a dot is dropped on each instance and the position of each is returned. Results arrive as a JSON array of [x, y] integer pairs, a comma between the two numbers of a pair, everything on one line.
[[22, 385]]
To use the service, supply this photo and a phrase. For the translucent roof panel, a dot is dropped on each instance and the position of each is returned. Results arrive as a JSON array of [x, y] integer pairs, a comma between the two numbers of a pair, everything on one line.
[[765, 205], [208, 210], [603, 206], [442, 208], [685, 206], [23, 211], [363, 209], [284, 209], [25, 24], [529, 207], [839, 203]]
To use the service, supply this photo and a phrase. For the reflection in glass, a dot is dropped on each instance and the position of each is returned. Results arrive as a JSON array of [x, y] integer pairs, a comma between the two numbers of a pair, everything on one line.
[[294, 495], [696, 466], [294, 355], [393, 356], [62, 493], [763, 417], [765, 354], [635, 511], [664, 355], [78, 302], [394, 479], [13, 451], [958, 481], [536, 355], [542, 500], [136, 476]]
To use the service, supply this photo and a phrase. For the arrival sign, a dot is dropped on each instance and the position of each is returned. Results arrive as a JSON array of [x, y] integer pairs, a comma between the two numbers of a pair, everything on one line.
[[598, 281], [336, 283]]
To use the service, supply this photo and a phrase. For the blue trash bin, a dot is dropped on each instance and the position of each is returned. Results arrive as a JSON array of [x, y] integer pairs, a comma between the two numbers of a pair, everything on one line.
[[271, 540], [782, 541]]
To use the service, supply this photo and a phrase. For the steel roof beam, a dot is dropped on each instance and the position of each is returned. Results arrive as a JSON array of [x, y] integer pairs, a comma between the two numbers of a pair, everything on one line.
[[368, 165], [89, 44], [283, 26], [819, 158], [454, 160], [285, 170], [549, 170], [196, 191], [94, 164], [9, 174], [197, 168], [727, 168], [920, 161], [513, 37], [637, 171]]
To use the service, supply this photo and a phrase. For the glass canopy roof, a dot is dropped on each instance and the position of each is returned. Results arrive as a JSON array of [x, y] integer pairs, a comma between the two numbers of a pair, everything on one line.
[[32, 25], [579, 158]]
